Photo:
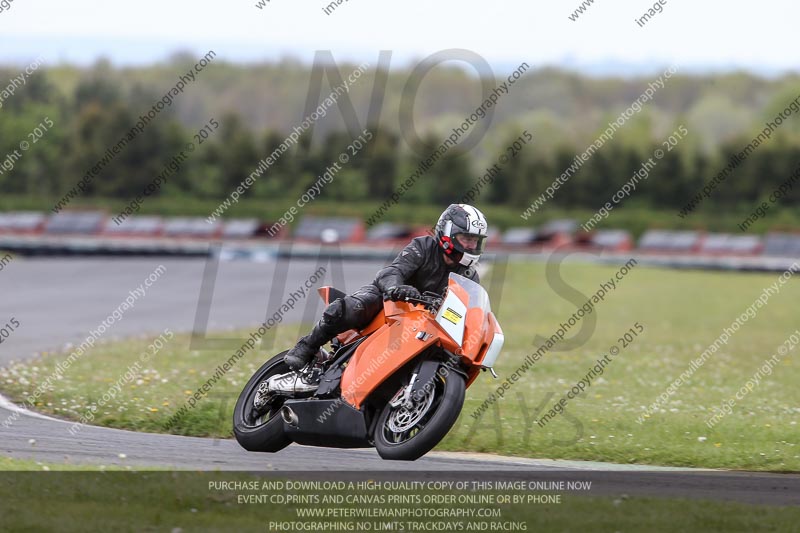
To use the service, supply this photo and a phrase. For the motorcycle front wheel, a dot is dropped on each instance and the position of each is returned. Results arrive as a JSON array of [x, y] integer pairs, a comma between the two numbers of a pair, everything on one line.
[[406, 433], [260, 430]]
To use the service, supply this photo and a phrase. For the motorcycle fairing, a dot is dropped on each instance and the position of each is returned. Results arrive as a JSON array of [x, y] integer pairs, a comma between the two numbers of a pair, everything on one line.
[[385, 351], [327, 422], [331, 378]]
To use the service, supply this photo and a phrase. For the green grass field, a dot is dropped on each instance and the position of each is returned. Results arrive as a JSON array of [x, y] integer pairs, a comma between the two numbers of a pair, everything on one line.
[[8, 464], [185, 501], [681, 313]]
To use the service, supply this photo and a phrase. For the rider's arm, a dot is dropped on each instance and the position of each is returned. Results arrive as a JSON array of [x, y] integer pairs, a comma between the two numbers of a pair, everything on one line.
[[402, 268]]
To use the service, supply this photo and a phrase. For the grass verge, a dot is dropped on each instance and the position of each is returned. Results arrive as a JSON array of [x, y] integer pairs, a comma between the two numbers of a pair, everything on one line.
[[179, 501], [8, 464]]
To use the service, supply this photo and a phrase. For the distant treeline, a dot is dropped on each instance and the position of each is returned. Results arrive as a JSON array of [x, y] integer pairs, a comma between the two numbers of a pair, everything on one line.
[[255, 108]]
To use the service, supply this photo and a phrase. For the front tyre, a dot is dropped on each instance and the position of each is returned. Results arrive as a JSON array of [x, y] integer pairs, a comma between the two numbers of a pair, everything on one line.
[[406, 433], [260, 430]]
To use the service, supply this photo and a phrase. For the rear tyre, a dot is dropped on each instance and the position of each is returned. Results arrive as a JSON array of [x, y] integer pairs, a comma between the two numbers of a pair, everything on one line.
[[260, 430], [406, 434]]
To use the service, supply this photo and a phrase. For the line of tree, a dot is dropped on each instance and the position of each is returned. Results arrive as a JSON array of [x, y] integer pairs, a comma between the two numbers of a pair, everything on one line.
[[95, 110]]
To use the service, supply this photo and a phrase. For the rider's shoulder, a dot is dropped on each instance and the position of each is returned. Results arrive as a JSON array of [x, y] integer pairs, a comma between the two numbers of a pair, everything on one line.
[[424, 242]]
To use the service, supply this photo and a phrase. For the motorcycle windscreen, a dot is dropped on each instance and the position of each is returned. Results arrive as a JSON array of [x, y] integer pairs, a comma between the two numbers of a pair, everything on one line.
[[462, 294], [451, 316]]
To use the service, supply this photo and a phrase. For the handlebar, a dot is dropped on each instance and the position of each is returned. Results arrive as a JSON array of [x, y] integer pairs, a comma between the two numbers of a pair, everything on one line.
[[430, 300]]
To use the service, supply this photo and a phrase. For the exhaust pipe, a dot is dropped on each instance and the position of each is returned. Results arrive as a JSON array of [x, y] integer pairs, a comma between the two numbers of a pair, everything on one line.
[[290, 417], [290, 384]]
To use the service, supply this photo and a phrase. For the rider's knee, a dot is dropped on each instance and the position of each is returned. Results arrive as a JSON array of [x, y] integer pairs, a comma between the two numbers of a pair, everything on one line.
[[333, 316], [354, 311]]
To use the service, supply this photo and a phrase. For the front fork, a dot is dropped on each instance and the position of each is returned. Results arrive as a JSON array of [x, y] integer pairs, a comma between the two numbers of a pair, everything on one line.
[[405, 399]]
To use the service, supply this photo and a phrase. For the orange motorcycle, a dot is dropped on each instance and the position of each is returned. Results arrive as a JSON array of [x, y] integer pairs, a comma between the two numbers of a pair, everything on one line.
[[397, 385]]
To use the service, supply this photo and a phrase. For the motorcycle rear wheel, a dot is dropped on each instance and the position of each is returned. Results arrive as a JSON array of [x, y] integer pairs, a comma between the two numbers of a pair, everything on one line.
[[403, 434], [260, 430]]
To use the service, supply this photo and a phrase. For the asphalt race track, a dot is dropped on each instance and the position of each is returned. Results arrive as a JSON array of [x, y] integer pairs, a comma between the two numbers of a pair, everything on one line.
[[57, 301]]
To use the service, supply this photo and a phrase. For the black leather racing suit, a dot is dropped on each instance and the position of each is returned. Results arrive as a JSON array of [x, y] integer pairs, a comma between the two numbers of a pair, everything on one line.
[[420, 264]]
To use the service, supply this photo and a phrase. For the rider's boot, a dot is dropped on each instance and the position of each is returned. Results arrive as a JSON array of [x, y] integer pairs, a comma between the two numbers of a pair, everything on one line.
[[308, 346]]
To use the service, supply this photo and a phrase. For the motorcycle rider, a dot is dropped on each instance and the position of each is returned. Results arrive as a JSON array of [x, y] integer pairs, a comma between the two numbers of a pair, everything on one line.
[[423, 265]]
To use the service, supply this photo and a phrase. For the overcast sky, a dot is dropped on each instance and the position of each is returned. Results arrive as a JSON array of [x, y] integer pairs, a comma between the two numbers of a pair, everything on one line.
[[696, 35]]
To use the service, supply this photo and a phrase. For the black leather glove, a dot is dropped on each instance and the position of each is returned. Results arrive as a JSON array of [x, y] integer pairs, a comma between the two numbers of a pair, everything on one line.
[[401, 292]]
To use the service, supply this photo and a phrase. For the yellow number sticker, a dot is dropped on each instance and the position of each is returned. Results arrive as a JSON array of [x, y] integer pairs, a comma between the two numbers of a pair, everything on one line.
[[451, 316]]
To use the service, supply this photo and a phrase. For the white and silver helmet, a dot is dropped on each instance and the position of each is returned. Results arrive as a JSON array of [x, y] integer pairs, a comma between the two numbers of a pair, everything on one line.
[[466, 221]]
